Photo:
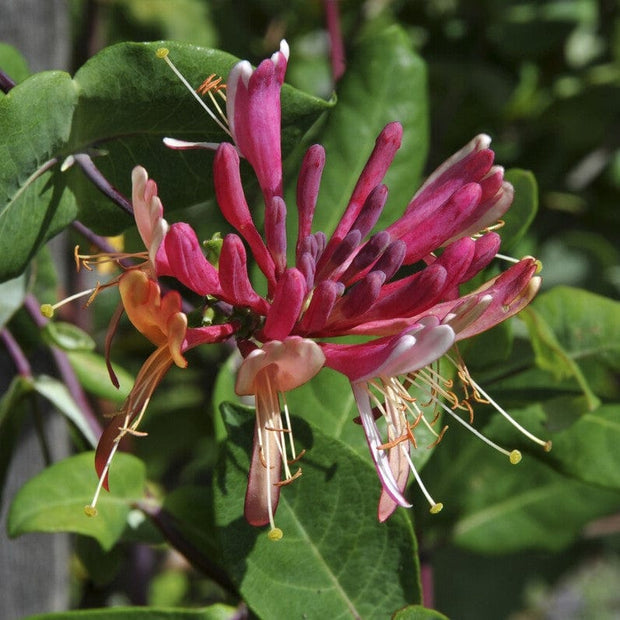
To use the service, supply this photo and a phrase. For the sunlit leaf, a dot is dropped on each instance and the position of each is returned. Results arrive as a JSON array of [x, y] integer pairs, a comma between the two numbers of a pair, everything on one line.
[[213, 612], [54, 500], [334, 552], [92, 373], [57, 393], [523, 209]]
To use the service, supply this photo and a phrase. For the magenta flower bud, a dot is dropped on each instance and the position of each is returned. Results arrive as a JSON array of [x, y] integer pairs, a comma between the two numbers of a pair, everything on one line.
[[180, 255], [308, 184], [236, 286], [275, 232], [286, 305]]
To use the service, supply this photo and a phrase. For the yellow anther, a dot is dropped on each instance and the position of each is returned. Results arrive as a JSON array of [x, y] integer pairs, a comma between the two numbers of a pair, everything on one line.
[[539, 265], [548, 445], [515, 457], [435, 508], [47, 310], [90, 511], [275, 534], [162, 52]]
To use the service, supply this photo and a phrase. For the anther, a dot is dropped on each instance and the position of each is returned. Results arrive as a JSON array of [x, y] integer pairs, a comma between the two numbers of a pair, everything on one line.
[[90, 511], [515, 457], [435, 508], [163, 53], [275, 534]]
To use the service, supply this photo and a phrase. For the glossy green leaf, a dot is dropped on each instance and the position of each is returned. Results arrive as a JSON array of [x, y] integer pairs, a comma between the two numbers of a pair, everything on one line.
[[334, 553], [12, 293], [553, 357], [13, 63], [67, 336], [54, 500], [92, 373], [587, 327], [523, 209], [57, 393], [35, 124], [213, 612], [385, 81], [122, 102], [528, 506], [417, 612], [584, 443]]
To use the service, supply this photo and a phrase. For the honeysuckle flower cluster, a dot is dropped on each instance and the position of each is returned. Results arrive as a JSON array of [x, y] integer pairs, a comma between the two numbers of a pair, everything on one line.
[[349, 282]]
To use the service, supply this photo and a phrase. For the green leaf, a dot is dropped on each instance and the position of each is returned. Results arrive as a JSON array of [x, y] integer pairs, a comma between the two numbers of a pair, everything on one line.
[[523, 209], [587, 328], [92, 373], [13, 63], [12, 293], [67, 336], [54, 500], [213, 612], [417, 612], [585, 448], [334, 552], [123, 101], [35, 124], [528, 506], [57, 393], [385, 81], [551, 355]]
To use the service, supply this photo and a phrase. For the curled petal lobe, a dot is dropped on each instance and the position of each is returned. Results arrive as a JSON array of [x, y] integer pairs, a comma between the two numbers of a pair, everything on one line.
[[295, 360], [148, 211], [181, 256]]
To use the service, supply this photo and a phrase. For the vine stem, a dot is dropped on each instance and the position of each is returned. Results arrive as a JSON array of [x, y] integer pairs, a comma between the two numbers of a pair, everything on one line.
[[64, 368], [17, 355], [336, 45], [95, 176]]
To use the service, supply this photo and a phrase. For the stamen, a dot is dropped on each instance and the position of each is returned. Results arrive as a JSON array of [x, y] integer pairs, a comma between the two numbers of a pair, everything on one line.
[[91, 261], [47, 310], [546, 445], [508, 259], [163, 52], [91, 510], [435, 506], [512, 455]]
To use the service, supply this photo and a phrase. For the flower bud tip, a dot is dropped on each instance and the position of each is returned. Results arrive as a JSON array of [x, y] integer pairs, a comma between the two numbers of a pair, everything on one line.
[[162, 52], [515, 457], [275, 534], [435, 508], [90, 511], [47, 310]]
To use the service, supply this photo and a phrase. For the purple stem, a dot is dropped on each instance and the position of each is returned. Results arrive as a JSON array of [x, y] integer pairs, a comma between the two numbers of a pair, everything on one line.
[[64, 367], [6, 83], [16, 353], [336, 45], [426, 577], [85, 162]]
